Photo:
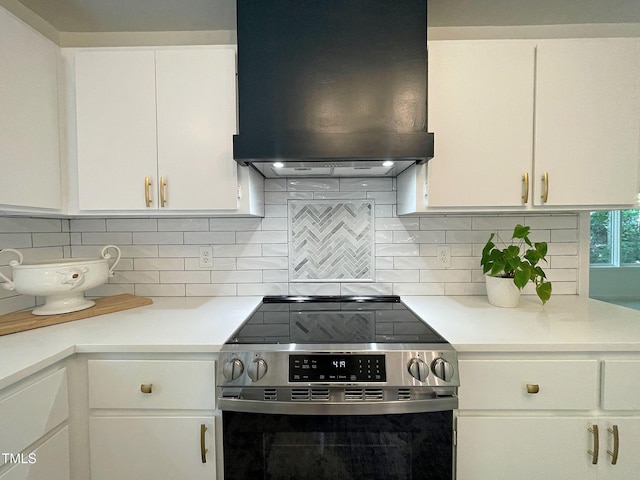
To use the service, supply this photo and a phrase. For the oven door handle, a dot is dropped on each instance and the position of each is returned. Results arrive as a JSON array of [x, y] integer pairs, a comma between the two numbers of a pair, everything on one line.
[[338, 408]]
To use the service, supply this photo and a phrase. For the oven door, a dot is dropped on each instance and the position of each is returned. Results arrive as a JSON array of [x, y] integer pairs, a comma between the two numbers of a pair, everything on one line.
[[335, 447]]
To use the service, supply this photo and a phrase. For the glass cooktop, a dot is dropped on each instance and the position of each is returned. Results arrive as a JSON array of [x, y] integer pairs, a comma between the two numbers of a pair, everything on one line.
[[333, 320]]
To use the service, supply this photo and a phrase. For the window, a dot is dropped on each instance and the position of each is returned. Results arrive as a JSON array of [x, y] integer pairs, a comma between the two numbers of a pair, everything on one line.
[[615, 238]]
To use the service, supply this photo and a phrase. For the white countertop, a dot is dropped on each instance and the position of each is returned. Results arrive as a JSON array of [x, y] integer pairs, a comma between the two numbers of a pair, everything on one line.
[[567, 323], [202, 324]]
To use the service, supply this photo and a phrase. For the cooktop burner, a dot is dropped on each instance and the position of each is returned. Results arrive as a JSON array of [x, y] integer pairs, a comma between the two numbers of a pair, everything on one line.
[[333, 320]]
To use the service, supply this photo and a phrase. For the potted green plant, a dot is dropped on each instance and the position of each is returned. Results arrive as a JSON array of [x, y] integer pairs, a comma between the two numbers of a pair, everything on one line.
[[515, 262]]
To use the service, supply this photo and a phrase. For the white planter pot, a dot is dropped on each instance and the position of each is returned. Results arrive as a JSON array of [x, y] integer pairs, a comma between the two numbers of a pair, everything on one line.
[[502, 292]]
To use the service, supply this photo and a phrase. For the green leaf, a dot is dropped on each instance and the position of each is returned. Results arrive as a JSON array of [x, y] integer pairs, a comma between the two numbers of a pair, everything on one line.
[[496, 269], [544, 291], [522, 276], [541, 248], [521, 231]]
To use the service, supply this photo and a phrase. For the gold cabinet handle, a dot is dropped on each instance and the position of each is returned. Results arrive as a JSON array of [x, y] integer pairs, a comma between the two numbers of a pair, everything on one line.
[[147, 191], [533, 388], [525, 195], [545, 189], [616, 444], [146, 387], [203, 450], [163, 186], [596, 444]]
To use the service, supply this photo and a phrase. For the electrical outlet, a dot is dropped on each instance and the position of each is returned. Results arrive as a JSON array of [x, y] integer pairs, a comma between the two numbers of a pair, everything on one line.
[[443, 256], [206, 257]]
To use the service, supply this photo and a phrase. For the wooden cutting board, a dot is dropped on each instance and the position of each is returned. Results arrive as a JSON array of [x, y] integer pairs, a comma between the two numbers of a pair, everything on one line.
[[25, 320]]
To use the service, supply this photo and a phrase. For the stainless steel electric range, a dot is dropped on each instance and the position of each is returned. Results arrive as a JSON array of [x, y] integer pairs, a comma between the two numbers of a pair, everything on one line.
[[308, 385]]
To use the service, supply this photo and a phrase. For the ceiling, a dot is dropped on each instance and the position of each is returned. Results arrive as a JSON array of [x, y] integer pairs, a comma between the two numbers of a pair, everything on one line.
[[208, 15]]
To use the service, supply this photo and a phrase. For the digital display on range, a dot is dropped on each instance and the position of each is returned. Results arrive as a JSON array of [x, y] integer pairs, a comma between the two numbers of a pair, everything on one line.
[[337, 368]]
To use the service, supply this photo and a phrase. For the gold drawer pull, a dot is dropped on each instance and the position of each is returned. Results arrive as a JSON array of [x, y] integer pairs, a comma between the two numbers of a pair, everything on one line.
[[146, 387], [203, 450], [163, 194], [596, 444], [616, 444], [525, 195], [545, 191], [533, 388], [147, 191]]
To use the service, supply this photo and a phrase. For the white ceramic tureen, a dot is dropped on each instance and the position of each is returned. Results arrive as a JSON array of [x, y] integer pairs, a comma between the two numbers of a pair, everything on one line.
[[62, 281]]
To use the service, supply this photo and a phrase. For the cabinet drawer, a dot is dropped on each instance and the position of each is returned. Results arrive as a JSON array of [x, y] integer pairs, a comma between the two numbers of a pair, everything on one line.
[[33, 411], [502, 384], [621, 384], [152, 384]]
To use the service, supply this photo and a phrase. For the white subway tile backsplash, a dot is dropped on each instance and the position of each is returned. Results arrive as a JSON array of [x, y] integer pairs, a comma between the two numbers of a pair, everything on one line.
[[183, 224], [158, 264], [51, 239], [209, 238], [111, 238], [262, 263], [88, 225], [313, 185], [261, 237], [15, 240], [132, 225], [158, 238], [211, 290], [165, 290], [236, 276], [29, 225], [420, 236], [160, 256], [253, 250], [366, 184], [181, 276], [136, 277]]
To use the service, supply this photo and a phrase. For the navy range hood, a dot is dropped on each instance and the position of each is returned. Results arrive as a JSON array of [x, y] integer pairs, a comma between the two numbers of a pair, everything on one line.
[[332, 87]]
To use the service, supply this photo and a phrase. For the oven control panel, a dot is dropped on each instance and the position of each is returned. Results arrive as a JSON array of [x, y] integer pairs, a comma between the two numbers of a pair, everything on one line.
[[342, 367]]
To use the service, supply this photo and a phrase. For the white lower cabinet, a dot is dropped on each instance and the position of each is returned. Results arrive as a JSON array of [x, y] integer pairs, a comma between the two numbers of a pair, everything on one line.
[[149, 448], [49, 461], [152, 419], [549, 416], [34, 438]]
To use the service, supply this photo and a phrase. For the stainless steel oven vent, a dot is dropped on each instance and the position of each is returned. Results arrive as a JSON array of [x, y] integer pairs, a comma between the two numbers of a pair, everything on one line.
[[363, 394], [270, 394], [309, 394], [404, 394]]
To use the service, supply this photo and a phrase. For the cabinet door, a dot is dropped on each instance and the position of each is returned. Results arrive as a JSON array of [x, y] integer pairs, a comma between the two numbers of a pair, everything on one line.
[[526, 448], [628, 443], [50, 461], [196, 122], [149, 448], [481, 112], [116, 128], [587, 122], [29, 150]]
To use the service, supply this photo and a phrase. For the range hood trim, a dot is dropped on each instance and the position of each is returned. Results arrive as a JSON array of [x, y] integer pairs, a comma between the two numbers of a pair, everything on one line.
[[322, 147]]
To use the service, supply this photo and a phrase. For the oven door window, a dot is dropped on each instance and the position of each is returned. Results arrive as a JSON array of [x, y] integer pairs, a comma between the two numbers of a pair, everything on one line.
[[316, 447]]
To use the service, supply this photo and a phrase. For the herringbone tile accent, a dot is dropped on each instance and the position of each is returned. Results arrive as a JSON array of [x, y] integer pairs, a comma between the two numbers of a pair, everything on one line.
[[331, 241]]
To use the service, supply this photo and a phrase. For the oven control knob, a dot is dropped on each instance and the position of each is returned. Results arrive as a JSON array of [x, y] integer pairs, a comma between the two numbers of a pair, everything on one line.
[[233, 369], [257, 369], [418, 369], [442, 369]]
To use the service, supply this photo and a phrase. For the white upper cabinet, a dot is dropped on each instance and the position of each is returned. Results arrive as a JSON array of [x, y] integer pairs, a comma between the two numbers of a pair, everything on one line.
[[155, 129], [116, 128], [29, 146], [522, 125], [481, 111], [587, 133]]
